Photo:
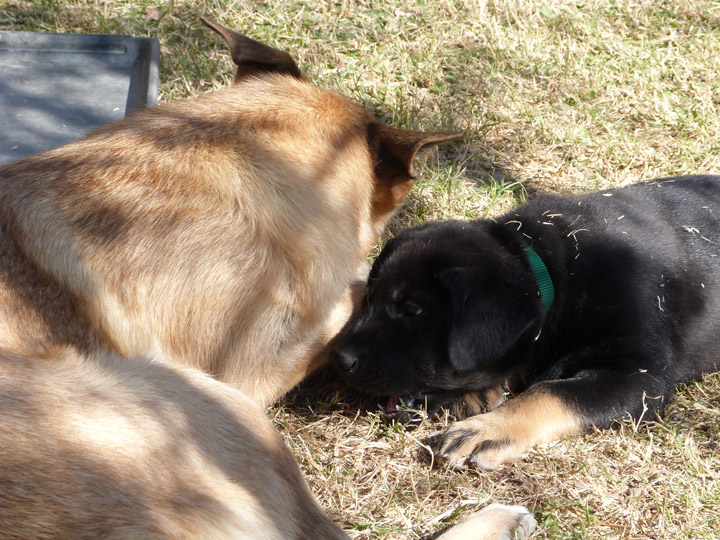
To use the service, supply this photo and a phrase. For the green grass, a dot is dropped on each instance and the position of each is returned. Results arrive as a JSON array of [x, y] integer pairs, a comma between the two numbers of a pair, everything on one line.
[[553, 96]]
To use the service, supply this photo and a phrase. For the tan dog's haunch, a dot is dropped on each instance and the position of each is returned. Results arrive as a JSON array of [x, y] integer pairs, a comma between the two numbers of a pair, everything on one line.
[[221, 233]]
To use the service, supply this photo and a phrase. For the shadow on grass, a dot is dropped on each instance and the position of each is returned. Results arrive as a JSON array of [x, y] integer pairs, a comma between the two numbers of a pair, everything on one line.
[[323, 393]]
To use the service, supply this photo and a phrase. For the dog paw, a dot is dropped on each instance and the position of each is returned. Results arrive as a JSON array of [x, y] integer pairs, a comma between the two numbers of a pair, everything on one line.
[[478, 402], [525, 524], [496, 522], [477, 442]]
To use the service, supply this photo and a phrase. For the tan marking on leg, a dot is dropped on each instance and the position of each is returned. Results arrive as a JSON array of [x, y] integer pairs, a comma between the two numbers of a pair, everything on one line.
[[502, 435]]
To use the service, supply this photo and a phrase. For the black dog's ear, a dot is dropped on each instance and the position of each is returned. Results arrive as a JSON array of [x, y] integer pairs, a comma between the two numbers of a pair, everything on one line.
[[252, 57], [487, 318]]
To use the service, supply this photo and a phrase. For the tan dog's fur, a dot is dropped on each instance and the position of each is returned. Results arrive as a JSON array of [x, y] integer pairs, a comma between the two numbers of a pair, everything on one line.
[[220, 233]]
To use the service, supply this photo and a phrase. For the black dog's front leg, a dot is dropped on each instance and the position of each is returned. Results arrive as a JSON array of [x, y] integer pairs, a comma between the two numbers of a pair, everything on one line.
[[547, 411]]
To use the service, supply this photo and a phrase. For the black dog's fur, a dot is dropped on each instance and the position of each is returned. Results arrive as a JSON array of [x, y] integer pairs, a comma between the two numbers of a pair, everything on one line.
[[453, 307]]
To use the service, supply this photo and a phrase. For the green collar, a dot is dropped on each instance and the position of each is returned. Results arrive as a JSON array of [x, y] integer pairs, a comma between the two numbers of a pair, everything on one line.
[[542, 276]]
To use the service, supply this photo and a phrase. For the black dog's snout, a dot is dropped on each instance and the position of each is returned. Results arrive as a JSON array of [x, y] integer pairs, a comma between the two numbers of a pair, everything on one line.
[[344, 359]]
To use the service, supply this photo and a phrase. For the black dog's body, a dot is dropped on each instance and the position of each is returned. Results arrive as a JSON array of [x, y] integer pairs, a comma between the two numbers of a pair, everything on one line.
[[454, 307]]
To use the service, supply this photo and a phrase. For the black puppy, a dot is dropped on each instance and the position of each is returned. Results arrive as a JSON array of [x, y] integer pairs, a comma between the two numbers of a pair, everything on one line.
[[587, 308]]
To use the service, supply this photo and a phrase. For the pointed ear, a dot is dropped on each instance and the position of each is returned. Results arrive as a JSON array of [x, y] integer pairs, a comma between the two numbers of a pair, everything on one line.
[[395, 149], [486, 319], [252, 57]]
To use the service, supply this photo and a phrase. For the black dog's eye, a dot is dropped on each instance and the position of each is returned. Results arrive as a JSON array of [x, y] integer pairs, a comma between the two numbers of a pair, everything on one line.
[[411, 308]]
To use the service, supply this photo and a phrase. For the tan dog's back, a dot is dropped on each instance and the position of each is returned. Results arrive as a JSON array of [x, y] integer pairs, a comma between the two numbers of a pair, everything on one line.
[[109, 447]]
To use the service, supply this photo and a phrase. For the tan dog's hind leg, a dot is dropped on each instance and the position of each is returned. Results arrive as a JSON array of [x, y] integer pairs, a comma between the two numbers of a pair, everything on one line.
[[496, 522], [490, 440]]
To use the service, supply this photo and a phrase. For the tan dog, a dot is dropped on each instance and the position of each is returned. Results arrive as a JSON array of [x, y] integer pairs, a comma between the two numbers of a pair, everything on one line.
[[220, 233]]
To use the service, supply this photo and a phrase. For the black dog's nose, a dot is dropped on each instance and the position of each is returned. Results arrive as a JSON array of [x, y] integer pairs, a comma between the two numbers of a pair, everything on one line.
[[346, 360]]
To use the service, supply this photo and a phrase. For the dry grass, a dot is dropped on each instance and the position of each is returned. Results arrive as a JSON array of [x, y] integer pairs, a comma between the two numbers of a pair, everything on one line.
[[554, 95], [659, 480]]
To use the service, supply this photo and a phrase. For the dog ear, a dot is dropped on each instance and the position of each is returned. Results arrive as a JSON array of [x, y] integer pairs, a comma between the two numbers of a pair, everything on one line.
[[395, 149], [252, 57], [487, 318]]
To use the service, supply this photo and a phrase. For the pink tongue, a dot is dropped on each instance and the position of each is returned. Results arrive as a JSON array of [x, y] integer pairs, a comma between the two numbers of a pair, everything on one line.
[[392, 403]]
